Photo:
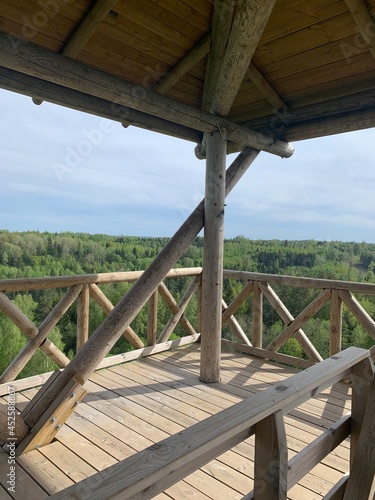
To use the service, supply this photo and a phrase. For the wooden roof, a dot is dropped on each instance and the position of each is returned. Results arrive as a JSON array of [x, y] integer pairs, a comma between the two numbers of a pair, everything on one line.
[[291, 69]]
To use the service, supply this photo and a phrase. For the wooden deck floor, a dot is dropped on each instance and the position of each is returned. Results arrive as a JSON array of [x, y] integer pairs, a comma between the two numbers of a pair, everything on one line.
[[133, 405]]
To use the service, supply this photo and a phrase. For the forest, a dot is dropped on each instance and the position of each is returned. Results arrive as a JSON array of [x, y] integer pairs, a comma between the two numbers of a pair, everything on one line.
[[36, 254]]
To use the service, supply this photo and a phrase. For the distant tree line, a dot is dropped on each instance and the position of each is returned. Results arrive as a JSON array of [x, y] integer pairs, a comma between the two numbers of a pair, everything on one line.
[[35, 254]]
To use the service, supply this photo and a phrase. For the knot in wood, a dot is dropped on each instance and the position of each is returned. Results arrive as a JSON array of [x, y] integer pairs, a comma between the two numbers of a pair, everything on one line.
[[281, 388]]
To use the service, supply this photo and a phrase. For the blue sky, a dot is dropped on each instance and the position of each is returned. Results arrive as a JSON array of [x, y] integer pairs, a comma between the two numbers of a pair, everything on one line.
[[62, 170]]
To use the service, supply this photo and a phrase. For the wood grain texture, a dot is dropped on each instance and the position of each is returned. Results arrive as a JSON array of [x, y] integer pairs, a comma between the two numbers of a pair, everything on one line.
[[213, 255]]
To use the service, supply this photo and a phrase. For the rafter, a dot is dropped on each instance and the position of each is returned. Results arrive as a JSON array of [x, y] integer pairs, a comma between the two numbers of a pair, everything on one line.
[[87, 27], [249, 20], [364, 21], [263, 85], [36, 61], [221, 26], [182, 67]]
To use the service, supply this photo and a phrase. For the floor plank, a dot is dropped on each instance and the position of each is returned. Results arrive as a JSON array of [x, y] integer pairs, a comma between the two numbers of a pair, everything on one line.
[[134, 405]]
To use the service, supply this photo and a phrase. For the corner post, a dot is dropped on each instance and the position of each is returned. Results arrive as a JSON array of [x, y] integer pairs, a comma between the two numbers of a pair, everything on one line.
[[213, 249]]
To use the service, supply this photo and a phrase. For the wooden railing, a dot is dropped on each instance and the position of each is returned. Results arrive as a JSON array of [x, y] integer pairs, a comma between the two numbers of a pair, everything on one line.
[[259, 286], [81, 288], [337, 293], [153, 470]]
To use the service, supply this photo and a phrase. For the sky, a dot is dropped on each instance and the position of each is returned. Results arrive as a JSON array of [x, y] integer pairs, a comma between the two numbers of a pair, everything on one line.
[[63, 170]]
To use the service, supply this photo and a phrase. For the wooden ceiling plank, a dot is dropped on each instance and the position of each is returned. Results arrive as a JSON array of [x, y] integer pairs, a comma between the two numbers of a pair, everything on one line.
[[185, 65], [39, 62], [265, 87], [249, 21], [88, 26], [364, 21]]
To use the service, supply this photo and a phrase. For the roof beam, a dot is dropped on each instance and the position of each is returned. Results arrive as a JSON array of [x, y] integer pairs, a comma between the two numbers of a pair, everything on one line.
[[182, 67], [364, 21], [221, 26], [45, 91], [36, 61], [263, 85], [249, 20], [88, 26]]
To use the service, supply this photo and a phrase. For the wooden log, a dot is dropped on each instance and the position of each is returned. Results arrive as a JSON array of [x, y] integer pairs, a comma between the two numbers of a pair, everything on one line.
[[304, 316], [264, 86], [365, 22], [234, 325], [249, 20], [26, 284], [335, 331], [265, 354], [287, 317], [361, 482], [152, 318], [271, 459], [87, 27], [44, 330], [221, 26], [362, 379], [199, 306], [106, 305], [154, 469], [55, 68], [213, 253], [173, 306], [257, 315], [185, 65], [30, 330], [238, 301], [102, 340], [83, 314], [63, 96], [357, 310], [172, 322], [316, 283]]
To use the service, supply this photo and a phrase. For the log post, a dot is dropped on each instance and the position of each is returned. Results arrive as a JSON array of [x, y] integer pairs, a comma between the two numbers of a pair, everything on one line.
[[213, 250], [335, 334], [107, 334], [152, 318], [83, 311], [271, 459], [257, 315], [362, 380]]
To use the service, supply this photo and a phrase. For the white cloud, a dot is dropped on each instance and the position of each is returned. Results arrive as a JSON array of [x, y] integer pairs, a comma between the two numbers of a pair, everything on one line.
[[153, 181]]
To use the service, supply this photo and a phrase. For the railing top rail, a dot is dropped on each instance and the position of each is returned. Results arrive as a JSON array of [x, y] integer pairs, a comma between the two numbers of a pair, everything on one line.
[[299, 282], [43, 283]]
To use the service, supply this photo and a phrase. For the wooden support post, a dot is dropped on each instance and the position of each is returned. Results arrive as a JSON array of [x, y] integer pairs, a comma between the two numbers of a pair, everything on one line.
[[83, 312], [335, 337], [361, 482], [362, 379], [107, 334], [257, 315], [271, 459], [213, 249], [199, 307], [152, 318]]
